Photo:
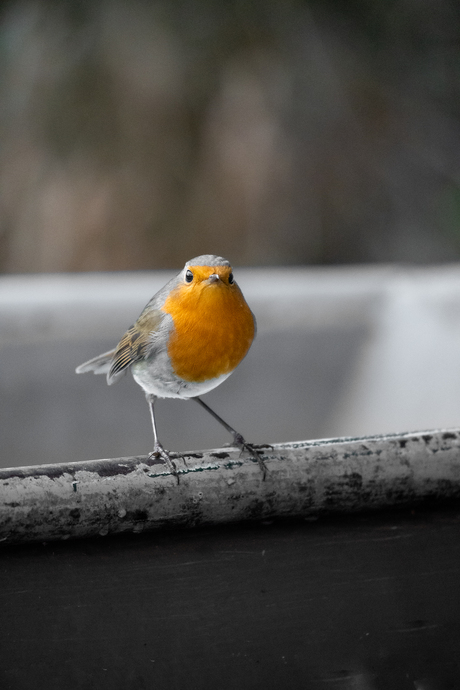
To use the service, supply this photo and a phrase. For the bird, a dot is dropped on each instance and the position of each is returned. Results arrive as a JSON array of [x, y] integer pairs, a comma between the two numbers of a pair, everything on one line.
[[189, 338]]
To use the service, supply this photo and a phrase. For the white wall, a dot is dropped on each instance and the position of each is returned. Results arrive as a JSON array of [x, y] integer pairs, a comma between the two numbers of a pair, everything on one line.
[[340, 351]]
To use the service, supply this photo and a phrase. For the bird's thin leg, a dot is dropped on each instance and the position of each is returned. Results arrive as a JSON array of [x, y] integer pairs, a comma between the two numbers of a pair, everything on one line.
[[157, 447], [237, 437], [151, 402]]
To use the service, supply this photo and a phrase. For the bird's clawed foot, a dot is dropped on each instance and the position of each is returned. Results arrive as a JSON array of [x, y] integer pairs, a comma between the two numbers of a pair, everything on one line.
[[252, 450], [160, 452]]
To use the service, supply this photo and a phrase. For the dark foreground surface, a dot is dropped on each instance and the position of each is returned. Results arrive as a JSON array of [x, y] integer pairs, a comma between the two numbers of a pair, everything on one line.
[[365, 603]]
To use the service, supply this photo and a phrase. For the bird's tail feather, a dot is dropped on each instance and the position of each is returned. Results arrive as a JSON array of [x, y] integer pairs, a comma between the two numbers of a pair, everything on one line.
[[98, 365]]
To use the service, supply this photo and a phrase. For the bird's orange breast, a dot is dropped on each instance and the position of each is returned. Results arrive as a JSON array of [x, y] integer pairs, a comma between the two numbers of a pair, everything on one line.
[[213, 330]]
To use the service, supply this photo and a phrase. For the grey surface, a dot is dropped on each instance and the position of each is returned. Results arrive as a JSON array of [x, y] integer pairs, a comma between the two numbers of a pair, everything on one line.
[[368, 603], [340, 352], [284, 390], [221, 486]]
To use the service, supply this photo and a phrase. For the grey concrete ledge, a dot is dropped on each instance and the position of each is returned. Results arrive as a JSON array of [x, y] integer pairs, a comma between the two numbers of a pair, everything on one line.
[[307, 478], [69, 306]]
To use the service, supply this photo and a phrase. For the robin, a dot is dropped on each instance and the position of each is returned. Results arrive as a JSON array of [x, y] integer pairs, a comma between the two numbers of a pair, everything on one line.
[[190, 337]]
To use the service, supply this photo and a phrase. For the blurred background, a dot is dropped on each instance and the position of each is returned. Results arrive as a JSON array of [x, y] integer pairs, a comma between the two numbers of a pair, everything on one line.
[[315, 143], [137, 134]]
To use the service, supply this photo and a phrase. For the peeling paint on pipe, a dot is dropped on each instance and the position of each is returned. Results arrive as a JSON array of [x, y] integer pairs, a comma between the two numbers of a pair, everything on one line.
[[308, 478]]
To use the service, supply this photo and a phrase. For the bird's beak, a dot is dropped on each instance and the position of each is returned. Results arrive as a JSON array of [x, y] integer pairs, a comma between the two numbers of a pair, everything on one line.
[[213, 278]]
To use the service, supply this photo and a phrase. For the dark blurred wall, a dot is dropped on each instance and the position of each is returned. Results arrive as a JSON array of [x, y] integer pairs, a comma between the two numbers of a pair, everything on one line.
[[139, 134]]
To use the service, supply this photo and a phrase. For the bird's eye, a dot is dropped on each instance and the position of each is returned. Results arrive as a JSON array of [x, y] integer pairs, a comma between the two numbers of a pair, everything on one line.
[[230, 279], [188, 277]]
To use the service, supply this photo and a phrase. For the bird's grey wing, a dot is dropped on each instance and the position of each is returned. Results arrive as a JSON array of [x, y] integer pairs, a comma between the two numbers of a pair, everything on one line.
[[136, 344]]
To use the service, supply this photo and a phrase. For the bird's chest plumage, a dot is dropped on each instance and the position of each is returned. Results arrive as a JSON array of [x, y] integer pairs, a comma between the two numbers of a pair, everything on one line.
[[213, 330]]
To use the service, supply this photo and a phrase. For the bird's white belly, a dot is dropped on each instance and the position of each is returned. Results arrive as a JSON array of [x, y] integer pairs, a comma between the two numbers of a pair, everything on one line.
[[157, 377]]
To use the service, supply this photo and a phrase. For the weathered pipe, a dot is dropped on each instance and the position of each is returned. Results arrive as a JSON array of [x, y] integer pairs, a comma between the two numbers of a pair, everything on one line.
[[308, 478]]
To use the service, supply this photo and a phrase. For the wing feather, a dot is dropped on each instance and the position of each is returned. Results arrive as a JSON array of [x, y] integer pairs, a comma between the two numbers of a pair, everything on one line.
[[135, 344]]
